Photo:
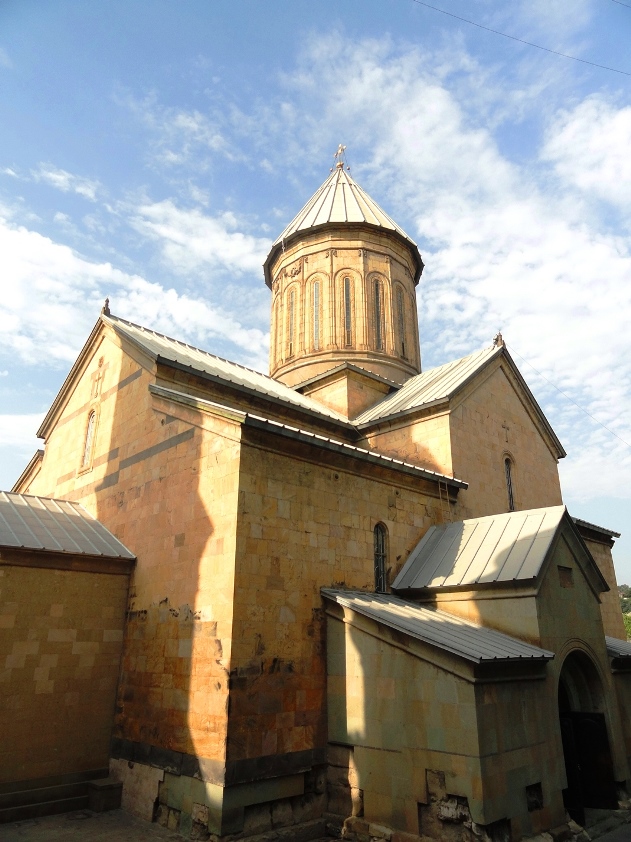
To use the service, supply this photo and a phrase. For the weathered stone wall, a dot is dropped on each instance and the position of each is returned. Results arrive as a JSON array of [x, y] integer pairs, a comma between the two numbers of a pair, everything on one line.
[[513, 612], [426, 441], [404, 718], [60, 647], [489, 422], [164, 479], [570, 620], [609, 601], [302, 525]]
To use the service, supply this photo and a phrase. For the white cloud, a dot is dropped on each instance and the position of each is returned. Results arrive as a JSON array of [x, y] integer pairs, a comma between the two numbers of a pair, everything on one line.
[[180, 136], [191, 240], [18, 431], [66, 182], [5, 61], [52, 296], [503, 246], [548, 20], [9, 171], [589, 147]]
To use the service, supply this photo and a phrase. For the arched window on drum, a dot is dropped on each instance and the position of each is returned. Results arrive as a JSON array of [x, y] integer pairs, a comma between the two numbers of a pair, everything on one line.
[[348, 311], [315, 303], [291, 323], [378, 315], [400, 306]]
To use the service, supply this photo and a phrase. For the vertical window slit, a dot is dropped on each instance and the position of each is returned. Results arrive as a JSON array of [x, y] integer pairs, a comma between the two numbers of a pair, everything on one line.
[[380, 558], [401, 320], [292, 321], [508, 469], [378, 316], [348, 324], [316, 315], [89, 438]]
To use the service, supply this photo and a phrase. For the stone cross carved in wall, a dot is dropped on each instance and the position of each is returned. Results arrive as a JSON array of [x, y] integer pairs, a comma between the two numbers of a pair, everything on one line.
[[506, 428]]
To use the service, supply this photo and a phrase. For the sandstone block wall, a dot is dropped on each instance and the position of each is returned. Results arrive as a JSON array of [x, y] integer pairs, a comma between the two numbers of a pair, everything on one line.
[[609, 601], [399, 722], [489, 422], [302, 525], [163, 478], [60, 648]]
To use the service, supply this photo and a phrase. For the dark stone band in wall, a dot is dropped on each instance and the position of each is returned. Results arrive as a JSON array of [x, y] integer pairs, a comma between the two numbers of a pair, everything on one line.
[[213, 771], [157, 448]]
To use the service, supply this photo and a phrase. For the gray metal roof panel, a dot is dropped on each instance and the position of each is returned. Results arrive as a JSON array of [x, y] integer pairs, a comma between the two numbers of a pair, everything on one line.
[[430, 386], [595, 527], [497, 548], [43, 523], [340, 199], [172, 350], [438, 628], [618, 648]]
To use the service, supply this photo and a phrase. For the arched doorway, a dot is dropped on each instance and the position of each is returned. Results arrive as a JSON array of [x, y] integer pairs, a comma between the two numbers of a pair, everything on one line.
[[588, 764]]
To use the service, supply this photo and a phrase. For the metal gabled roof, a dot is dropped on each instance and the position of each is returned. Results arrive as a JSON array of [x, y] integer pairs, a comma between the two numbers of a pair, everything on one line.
[[498, 548], [618, 648], [42, 523], [437, 385], [340, 200], [438, 628], [428, 387], [585, 523], [157, 345]]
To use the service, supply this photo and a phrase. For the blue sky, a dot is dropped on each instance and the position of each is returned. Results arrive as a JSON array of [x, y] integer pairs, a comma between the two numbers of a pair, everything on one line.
[[152, 151]]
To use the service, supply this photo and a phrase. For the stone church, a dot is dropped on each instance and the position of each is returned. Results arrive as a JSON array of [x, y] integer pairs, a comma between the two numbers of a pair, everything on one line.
[[345, 598]]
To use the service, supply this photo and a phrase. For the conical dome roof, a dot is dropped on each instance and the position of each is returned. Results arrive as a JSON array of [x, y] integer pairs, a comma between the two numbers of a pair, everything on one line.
[[340, 200]]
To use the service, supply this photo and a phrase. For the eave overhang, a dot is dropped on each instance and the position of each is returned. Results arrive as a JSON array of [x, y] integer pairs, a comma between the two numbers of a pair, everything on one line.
[[351, 228]]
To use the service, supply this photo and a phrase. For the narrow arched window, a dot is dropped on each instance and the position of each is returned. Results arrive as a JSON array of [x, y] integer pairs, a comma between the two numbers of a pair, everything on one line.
[[508, 470], [291, 327], [401, 321], [89, 439], [348, 314], [379, 315], [380, 558], [316, 315], [278, 333]]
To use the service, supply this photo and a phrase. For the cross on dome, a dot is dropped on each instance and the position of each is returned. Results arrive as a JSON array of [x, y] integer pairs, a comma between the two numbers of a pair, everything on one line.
[[339, 156]]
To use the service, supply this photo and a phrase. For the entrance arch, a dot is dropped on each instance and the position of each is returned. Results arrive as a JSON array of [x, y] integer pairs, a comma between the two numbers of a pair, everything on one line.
[[588, 763]]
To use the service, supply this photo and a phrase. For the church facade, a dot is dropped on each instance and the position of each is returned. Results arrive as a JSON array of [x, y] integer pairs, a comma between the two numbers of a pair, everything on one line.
[[359, 604]]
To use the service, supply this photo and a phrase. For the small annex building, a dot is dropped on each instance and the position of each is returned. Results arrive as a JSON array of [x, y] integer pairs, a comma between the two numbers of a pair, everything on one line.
[[499, 633], [358, 600], [64, 581]]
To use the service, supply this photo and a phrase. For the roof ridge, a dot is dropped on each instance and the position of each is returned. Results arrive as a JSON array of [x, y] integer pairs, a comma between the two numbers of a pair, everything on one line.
[[192, 347], [420, 383]]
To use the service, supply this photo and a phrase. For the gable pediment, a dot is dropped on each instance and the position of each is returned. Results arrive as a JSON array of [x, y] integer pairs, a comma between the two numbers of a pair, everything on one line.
[[449, 386]]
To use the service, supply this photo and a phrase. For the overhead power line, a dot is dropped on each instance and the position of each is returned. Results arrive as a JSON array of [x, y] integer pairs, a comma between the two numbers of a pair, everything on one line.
[[626, 5], [571, 400], [521, 40]]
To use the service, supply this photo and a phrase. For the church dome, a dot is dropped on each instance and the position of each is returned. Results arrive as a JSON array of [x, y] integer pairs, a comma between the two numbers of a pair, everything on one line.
[[343, 277], [340, 200]]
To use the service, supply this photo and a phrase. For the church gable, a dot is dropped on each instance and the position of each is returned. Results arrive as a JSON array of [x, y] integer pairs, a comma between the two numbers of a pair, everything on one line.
[[512, 572], [501, 439], [79, 429], [568, 598], [469, 418]]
